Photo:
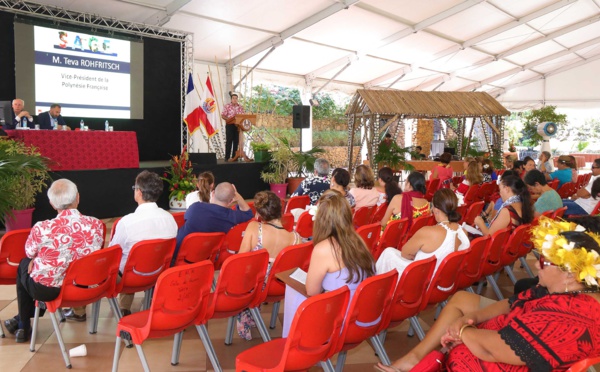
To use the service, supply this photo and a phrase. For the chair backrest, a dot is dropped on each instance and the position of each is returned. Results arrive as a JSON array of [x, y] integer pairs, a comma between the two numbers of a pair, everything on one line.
[[179, 219], [12, 251], [554, 184], [485, 192], [289, 258], [566, 190], [432, 187], [443, 283], [456, 180], [410, 291], [300, 201], [368, 310], [473, 211], [392, 236], [583, 365], [462, 210], [114, 228], [234, 237], [559, 213], [304, 226], [89, 278], [180, 298], [379, 213], [512, 247], [417, 224], [362, 216], [239, 284], [471, 194], [492, 262], [370, 235], [146, 261], [287, 221], [315, 330], [596, 209], [471, 271], [198, 247]]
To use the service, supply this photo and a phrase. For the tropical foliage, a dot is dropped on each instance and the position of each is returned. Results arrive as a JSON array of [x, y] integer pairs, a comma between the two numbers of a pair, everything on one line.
[[180, 177], [531, 119]]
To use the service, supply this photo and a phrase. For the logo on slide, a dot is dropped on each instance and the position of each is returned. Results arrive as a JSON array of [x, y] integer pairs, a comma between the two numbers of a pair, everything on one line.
[[209, 105]]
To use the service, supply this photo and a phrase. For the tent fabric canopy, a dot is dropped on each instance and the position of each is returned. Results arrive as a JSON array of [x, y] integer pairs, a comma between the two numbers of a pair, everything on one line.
[[411, 104]]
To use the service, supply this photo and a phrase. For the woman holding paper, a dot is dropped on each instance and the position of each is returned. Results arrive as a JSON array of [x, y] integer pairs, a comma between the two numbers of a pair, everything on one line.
[[340, 256]]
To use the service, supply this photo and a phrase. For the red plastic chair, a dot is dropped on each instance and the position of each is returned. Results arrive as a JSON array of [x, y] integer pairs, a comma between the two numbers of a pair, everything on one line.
[[180, 298], [87, 280], [462, 210], [566, 190], [596, 210], [493, 263], [314, 332], [12, 251], [456, 180], [417, 224], [274, 291], [442, 286], [252, 207], [179, 218], [512, 248], [485, 192], [232, 243], [146, 261], [471, 195], [367, 314], [300, 201], [198, 247], [304, 226], [471, 271], [379, 213], [559, 213], [432, 187], [287, 221], [584, 365], [239, 285], [473, 211], [362, 216], [114, 228], [370, 235], [392, 236], [554, 184]]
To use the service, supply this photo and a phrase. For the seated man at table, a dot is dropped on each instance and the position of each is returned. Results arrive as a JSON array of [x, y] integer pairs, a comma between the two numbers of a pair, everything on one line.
[[215, 216], [18, 113], [51, 246], [51, 118]]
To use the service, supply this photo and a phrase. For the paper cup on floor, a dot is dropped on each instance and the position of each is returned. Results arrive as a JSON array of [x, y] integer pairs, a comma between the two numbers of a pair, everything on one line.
[[78, 351]]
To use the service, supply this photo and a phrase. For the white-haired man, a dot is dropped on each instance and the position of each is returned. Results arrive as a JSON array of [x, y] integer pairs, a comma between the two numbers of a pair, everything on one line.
[[315, 185], [19, 113]]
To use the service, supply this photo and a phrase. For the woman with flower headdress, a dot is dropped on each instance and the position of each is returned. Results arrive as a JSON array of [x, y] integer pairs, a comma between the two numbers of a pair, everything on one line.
[[546, 328]]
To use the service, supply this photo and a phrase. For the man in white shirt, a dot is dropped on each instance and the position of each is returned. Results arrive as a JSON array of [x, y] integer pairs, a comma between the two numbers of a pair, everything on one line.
[[583, 202]]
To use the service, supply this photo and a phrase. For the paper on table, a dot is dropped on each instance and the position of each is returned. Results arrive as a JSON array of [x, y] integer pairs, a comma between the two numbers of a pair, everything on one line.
[[470, 229], [299, 275]]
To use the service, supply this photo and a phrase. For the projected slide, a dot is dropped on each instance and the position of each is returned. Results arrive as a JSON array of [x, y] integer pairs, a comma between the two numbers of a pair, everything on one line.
[[89, 76]]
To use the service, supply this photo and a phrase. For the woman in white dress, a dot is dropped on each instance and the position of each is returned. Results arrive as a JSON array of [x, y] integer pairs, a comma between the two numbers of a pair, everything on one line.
[[205, 184], [439, 240]]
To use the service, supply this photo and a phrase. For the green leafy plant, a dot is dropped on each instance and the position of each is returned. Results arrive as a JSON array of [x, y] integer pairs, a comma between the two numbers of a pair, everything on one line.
[[531, 137], [180, 177], [23, 174], [303, 161], [582, 145], [279, 165], [393, 156], [260, 146]]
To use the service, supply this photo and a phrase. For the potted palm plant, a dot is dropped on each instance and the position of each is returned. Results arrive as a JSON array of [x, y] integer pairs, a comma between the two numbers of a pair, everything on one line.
[[23, 174], [277, 170], [302, 165], [393, 156]]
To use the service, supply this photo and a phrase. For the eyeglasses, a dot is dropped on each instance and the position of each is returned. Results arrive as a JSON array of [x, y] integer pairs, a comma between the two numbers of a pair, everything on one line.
[[544, 263], [135, 187]]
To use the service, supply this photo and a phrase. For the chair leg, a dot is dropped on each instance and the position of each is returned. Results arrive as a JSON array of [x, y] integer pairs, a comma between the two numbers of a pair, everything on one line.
[[95, 315], [341, 360], [115, 308], [260, 324], [61, 315], [210, 350], [117, 355], [490, 279], [274, 314], [414, 322], [63, 349], [229, 332], [36, 319], [382, 336], [2, 335], [380, 350], [177, 340], [526, 267], [469, 289], [327, 366], [148, 293], [140, 352], [480, 285], [510, 274]]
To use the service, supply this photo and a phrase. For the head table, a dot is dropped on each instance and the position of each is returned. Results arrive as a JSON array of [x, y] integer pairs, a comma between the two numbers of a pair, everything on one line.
[[77, 150]]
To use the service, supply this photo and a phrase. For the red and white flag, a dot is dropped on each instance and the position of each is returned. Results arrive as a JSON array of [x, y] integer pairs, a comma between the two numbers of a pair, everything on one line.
[[211, 117], [193, 109]]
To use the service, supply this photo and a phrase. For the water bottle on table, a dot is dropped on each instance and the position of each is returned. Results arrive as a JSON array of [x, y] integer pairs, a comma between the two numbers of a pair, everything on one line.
[[81, 124], [23, 122], [106, 125]]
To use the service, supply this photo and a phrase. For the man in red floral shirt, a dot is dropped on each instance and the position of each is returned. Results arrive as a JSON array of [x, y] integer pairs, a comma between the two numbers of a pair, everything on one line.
[[232, 137], [51, 246]]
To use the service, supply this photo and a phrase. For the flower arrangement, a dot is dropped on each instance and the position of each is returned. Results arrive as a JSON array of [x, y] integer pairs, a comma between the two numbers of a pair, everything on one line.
[[512, 147], [583, 263], [180, 176]]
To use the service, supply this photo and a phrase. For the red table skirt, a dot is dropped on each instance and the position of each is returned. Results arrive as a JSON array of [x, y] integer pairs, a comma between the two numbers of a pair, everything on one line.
[[76, 150]]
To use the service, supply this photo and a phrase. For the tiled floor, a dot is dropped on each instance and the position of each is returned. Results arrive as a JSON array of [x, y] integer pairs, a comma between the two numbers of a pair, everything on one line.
[[100, 346]]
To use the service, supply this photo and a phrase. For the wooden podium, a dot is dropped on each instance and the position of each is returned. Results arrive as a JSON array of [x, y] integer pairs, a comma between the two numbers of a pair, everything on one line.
[[244, 123]]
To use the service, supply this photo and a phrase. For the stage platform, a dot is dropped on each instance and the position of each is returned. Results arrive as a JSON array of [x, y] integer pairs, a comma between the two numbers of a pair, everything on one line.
[[106, 193]]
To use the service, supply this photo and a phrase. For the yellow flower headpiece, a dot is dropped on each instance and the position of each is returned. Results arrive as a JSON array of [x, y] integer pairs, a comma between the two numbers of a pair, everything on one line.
[[581, 262]]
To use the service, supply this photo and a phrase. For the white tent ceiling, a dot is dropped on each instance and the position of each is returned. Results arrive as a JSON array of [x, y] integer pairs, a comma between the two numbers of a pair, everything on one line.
[[497, 46]]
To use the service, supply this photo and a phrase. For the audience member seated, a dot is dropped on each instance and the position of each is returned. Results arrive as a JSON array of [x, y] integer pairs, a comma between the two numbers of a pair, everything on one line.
[[411, 203], [488, 172], [564, 173], [51, 246], [205, 184], [18, 113], [546, 328], [267, 234], [443, 171], [215, 216], [496, 201], [545, 165], [529, 163], [439, 240], [509, 161], [340, 179], [519, 168], [340, 256], [515, 210], [472, 177], [314, 186], [364, 193], [549, 200], [574, 168], [585, 200], [386, 185]]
